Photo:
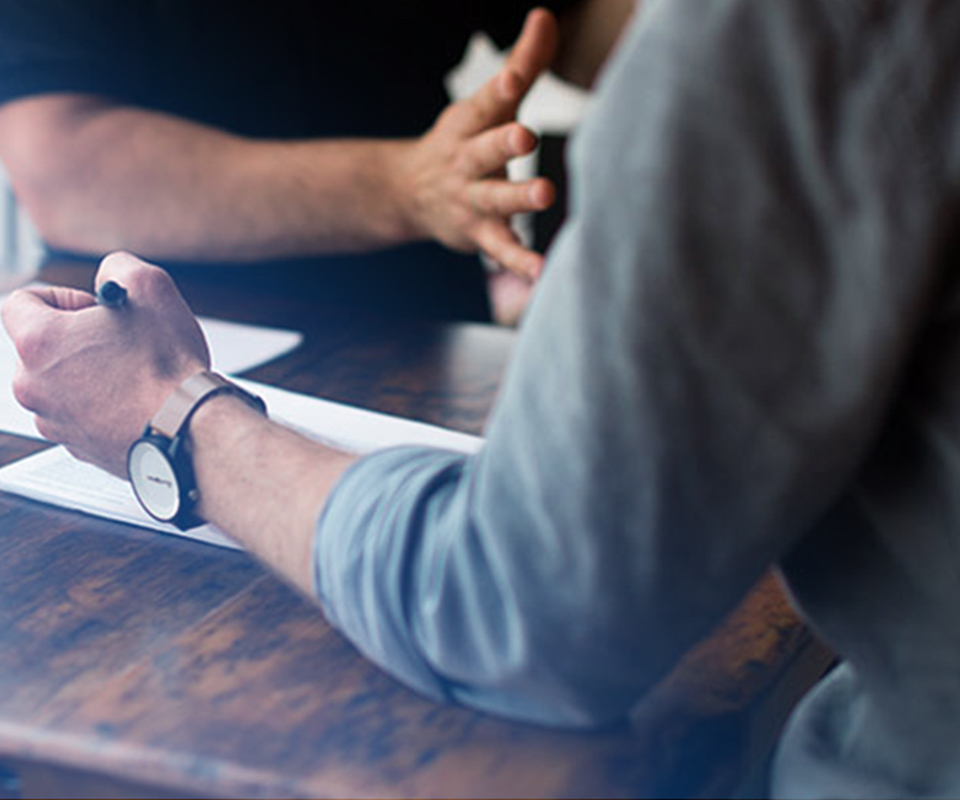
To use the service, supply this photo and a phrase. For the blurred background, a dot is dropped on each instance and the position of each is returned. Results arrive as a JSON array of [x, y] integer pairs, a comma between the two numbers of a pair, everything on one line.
[[21, 250], [552, 109]]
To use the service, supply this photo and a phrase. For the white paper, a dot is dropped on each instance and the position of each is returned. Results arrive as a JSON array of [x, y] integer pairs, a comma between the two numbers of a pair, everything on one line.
[[14, 418], [354, 429], [54, 476], [234, 347]]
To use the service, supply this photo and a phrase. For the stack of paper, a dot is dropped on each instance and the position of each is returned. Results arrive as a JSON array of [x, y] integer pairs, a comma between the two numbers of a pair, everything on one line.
[[54, 476]]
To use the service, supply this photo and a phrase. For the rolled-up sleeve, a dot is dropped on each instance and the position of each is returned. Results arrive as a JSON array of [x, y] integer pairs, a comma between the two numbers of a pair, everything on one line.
[[696, 383]]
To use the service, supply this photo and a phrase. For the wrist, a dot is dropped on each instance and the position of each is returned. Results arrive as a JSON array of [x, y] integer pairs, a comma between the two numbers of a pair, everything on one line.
[[261, 483], [220, 421], [402, 176], [160, 464]]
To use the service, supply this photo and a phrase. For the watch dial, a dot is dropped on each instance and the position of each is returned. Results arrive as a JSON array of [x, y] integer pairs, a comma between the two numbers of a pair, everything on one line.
[[154, 481]]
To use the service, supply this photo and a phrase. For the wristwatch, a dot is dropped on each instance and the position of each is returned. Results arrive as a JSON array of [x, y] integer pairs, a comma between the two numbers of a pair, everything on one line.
[[159, 464]]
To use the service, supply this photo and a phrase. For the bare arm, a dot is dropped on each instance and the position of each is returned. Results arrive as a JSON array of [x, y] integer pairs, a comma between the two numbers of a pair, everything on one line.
[[264, 484], [96, 175]]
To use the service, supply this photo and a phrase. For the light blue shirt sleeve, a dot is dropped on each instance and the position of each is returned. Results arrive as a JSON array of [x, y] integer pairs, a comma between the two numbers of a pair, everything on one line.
[[696, 383]]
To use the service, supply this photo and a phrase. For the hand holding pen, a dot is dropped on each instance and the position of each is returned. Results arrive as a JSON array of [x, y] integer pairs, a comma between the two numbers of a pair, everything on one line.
[[94, 368]]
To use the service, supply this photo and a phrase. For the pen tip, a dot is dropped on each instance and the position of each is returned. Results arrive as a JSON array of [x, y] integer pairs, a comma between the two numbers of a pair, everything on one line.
[[111, 294]]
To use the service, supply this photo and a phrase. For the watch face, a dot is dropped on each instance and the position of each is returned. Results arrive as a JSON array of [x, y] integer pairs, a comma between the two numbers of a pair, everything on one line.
[[154, 480]]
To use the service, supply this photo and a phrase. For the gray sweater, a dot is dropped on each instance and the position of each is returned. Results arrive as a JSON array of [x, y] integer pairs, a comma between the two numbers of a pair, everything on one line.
[[745, 352]]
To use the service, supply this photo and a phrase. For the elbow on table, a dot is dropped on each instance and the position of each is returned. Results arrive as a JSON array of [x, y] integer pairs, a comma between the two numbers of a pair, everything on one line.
[[58, 185], [554, 695], [61, 214], [567, 672]]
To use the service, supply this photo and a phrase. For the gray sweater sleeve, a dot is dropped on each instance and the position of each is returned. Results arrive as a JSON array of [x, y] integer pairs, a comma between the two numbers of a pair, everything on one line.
[[697, 381]]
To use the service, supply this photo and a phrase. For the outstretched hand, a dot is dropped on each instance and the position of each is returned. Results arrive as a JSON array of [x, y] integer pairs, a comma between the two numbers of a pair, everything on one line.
[[94, 376], [456, 173]]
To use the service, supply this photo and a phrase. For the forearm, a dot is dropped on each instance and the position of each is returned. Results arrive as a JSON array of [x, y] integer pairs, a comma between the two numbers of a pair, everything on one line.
[[378, 548], [111, 177], [97, 175], [263, 484]]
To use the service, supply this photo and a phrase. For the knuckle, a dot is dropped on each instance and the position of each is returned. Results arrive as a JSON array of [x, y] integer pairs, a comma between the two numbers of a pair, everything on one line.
[[477, 198], [513, 198], [137, 275], [153, 278], [119, 263], [150, 282], [25, 391], [465, 162], [449, 114], [480, 110], [47, 429], [33, 345], [513, 139], [504, 201]]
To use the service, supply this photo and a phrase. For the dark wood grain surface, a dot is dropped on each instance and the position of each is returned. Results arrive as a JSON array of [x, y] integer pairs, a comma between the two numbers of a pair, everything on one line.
[[133, 663]]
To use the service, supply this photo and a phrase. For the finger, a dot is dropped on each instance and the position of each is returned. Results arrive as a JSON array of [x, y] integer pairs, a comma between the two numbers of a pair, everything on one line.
[[148, 286], [41, 300], [122, 268], [151, 290], [504, 199], [497, 100], [500, 242], [510, 295], [148, 282], [495, 103], [34, 316], [63, 298], [535, 48], [490, 151]]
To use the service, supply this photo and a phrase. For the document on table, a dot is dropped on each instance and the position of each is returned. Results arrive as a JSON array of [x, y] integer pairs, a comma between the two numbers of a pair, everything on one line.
[[234, 348], [54, 476]]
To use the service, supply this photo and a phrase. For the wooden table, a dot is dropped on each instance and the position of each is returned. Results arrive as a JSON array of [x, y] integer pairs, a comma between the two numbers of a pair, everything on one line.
[[137, 664]]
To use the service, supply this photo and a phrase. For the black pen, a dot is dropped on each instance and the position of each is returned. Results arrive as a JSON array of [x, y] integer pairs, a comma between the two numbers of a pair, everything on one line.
[[112, 295]]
